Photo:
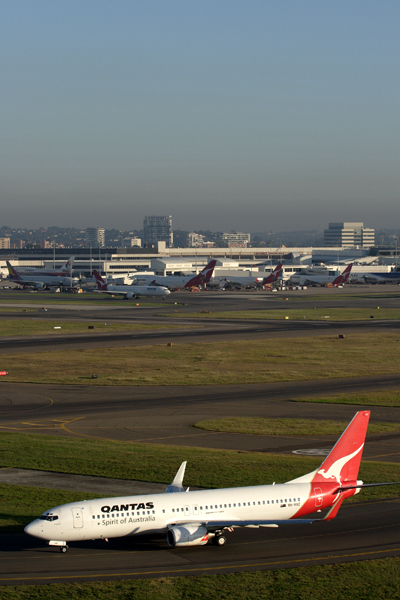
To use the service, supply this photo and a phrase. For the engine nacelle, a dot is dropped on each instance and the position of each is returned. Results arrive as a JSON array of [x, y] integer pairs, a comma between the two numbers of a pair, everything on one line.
[[39, 286], [188, 535], [130, 296]]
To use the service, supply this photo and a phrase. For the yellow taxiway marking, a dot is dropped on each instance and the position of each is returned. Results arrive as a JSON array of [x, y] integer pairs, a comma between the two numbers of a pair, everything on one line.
[[192, 569]]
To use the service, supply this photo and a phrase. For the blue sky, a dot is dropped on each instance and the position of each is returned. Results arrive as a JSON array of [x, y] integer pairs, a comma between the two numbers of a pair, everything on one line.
[[256, 115]]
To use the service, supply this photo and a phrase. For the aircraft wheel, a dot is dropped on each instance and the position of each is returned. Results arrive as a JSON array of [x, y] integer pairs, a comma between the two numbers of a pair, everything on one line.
[[219, 540], [63, 549]]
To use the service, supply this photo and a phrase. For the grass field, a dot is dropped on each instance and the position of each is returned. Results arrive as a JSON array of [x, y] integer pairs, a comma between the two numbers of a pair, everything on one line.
[[234, 362], [29, 327], [290, 427], [309, 314], [369, 580], [385, 398]]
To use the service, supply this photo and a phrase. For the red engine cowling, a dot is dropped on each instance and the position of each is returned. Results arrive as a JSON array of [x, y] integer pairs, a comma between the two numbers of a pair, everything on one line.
[[187, 535]]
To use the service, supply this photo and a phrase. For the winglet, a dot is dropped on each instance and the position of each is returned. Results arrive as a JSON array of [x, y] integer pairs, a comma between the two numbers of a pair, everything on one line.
[[177, 484]]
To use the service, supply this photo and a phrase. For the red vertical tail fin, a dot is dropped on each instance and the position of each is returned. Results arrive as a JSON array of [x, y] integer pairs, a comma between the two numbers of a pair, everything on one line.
[[101, 284], [343, 461], [12, 272], [343, 277], [274, 275], [204, 276]]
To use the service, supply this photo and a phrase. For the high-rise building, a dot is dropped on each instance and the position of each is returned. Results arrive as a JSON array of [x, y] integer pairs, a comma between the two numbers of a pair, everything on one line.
[[95, 237], [349, 235], [158, 229], [5, 242]]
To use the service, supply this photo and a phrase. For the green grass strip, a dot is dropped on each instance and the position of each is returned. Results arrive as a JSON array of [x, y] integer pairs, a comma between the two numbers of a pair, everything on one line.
[[233, 362], [29, 327], [289, 427], [369, 580]]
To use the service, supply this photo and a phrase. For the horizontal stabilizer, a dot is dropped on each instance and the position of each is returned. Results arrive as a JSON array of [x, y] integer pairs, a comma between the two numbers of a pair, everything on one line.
[[344, 488]]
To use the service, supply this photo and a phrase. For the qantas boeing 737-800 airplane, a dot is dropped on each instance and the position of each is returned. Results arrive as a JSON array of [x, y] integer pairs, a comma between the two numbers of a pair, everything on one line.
[[194, 518]]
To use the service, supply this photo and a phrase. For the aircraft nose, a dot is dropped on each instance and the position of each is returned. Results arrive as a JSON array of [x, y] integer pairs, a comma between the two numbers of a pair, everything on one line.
[[32, 528]]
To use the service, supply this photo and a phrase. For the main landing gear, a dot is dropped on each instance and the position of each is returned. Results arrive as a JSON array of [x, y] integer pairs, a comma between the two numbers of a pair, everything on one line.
[[219, 540]]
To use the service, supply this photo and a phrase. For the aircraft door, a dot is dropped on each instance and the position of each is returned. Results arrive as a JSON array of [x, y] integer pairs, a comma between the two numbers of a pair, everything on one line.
[[195, 509], [77, 517], [187, 511], [318, 497]]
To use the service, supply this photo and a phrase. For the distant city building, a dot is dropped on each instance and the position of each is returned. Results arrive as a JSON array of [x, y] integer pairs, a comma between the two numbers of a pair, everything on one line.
[[158, 229], [349, 235], [95, 237], [130, 242], [5, 242], [45, 243], [236, 239], [18, 244], [195, 240]]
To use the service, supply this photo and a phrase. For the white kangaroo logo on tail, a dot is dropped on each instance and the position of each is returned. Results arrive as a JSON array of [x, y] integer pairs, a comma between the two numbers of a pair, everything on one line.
[[336, 468]]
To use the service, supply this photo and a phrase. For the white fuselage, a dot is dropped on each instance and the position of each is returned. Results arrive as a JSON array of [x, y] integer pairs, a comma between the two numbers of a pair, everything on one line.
[[137, 290], [156, 513], [46, 280], [169, 281]]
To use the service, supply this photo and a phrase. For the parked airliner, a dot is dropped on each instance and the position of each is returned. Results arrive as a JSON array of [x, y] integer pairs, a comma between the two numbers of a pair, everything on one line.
[[61, 272], [250, 281], [129, 291], [321, 278], [179, 282], [40, 282], [194, 518]]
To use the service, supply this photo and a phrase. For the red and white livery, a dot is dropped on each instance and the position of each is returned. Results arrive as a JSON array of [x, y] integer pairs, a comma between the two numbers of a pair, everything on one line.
[[194, 518]]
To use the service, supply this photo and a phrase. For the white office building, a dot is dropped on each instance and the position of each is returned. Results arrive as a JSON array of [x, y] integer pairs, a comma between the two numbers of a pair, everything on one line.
[[349, 235]]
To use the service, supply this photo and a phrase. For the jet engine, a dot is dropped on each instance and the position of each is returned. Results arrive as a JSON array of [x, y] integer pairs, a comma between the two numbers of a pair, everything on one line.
[[39, 286], [130, 296], [187, 535]]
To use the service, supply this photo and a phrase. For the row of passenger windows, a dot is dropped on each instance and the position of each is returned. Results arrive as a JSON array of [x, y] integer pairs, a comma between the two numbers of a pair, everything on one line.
[[125, 514], [240, 504]]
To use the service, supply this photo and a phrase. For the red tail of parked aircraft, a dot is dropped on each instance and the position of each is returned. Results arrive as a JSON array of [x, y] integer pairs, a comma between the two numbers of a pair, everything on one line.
[[343, 277], [203, 277], [274, 276], [101, 284]]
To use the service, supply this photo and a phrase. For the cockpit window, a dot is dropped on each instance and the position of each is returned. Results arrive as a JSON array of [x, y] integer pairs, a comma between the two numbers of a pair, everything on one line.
[[48, 518]]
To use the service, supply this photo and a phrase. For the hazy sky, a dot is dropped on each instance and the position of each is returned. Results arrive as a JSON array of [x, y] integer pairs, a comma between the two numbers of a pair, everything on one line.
[[249, 115]]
